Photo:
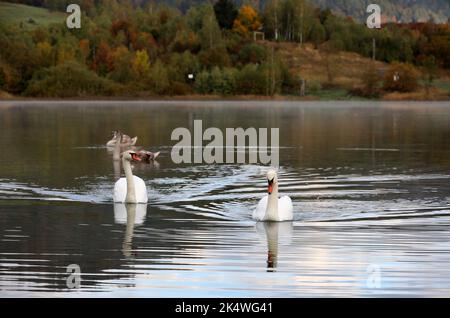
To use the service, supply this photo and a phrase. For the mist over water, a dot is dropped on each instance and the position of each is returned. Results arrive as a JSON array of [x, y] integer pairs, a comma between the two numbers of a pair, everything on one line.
[[369, 183]]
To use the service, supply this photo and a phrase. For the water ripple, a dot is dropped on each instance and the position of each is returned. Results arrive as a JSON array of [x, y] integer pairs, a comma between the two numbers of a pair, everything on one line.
[[231, 192]]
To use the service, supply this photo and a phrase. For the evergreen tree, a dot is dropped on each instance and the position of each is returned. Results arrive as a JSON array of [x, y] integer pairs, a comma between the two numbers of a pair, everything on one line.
[[226, 13]]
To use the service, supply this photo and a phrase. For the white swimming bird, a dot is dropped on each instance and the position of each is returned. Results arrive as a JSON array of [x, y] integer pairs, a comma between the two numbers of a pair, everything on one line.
[[130, 189], [271, 208]]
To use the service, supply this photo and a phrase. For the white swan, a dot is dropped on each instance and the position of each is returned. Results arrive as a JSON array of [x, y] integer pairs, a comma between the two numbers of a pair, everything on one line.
[[270, 207], [130, 189]]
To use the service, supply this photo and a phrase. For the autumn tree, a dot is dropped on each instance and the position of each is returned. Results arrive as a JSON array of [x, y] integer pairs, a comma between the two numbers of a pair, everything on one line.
[[145, 41], [247, 21], [65, 52], [121, 59], [84, 48], [126, 28], [216, 56], [141, 63], [401, 77], [101, 62], [45, 53], [185, 40], [370, 82]]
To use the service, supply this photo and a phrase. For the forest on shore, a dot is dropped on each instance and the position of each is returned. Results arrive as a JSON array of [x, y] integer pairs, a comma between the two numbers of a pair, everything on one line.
[[215, 48]]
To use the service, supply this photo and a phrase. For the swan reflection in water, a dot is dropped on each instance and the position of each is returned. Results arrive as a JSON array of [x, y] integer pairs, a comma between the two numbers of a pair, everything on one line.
[[275, 233], [132, 215]]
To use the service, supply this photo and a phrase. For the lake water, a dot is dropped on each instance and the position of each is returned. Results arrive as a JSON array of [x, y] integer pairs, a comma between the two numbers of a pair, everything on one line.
[[369, 182]]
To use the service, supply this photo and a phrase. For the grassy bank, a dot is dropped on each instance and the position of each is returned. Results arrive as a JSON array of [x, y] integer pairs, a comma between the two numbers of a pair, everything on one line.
[[341, 69], [330, 76], [27, 16]]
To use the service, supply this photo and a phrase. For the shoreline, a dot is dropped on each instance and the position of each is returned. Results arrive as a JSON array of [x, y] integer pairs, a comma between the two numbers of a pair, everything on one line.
[[143, 97], [219, 102], [215, 98]]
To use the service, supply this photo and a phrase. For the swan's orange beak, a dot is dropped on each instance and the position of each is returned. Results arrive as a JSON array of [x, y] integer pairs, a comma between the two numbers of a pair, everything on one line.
[[135, 157], [270, 187]]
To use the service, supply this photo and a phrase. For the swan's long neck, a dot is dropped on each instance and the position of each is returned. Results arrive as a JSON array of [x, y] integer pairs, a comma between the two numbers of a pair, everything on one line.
[[272, 204], [131, 193]]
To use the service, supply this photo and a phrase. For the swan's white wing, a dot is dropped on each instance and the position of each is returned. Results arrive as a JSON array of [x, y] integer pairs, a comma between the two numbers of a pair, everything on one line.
[[120, 190], [260, 210], [140, 189], [285, 209]]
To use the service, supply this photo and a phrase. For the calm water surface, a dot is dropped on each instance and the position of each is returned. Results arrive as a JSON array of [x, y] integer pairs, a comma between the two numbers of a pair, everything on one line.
[[369, 182]]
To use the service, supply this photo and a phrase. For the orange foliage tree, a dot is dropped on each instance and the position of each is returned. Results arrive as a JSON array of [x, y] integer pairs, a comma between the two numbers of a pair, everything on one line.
[[102, 61], [121, 59], [247, 21]]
